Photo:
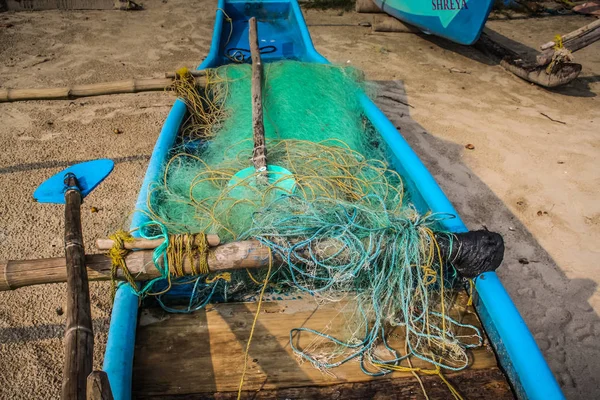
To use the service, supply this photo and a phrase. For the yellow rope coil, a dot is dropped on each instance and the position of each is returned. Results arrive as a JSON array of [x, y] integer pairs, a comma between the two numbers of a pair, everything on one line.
[[117, 256], [193, 247]]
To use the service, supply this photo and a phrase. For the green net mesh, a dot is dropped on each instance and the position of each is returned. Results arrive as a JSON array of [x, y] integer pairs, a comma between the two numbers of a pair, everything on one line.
[[343, 228]]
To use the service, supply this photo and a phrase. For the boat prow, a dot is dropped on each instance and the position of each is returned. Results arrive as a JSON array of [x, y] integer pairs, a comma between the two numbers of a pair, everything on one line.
[[458, 20]]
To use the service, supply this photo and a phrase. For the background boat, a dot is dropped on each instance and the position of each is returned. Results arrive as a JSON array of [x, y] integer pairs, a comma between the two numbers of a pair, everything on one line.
[[458, 20]]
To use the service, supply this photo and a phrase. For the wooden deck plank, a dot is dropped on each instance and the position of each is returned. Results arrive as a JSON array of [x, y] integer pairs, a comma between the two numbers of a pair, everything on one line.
[[202, 353]]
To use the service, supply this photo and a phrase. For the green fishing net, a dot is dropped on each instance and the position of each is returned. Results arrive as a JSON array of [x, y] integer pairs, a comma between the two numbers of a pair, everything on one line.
[[343, 227]]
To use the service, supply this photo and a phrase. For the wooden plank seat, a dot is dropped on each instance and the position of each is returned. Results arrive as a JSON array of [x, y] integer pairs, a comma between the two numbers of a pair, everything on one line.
[[201, 355]]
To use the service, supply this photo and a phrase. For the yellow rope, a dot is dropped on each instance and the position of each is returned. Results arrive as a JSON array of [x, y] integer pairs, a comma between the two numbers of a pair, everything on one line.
[[117, 255], [437, 371], [202, 249], [260, 299], [182, 246], [558, 42], [471, 291]]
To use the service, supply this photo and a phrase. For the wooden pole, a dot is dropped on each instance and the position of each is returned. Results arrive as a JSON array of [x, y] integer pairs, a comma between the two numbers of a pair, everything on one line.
[[576, 43], [572, 35], [235, 255], [79, 337], [561, 74], [230, 256], [259, 154], [95, 89], [145, 244]]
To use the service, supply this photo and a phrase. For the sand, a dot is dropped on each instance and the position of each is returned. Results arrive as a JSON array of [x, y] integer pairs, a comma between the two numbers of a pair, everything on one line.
[[533, 180]]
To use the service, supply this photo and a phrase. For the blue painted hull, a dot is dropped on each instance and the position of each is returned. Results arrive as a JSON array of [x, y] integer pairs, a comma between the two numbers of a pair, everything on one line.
[[281, 24], [458, 20]]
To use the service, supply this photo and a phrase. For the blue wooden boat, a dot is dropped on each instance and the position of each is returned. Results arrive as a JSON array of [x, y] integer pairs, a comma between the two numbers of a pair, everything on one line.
[[281, 23], [458, 20]]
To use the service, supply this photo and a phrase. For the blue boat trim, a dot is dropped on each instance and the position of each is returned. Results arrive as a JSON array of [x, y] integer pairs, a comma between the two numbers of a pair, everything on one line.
[[456, 20], [515, 346]]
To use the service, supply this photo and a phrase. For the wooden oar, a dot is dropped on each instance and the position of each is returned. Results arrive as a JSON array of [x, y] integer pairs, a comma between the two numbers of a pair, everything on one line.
[[69, 187]]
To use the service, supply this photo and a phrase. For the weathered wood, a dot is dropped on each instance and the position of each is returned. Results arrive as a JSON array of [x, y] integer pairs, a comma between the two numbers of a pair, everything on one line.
[[145, 244], [36, 5], [205, 353], [259, 154], [98, 387], [95, 89], [560, 74], [572, 35], [230, 256], [79, 336], [572, 45], [366, 6], [471, 254], [473, 384], [386, 23]]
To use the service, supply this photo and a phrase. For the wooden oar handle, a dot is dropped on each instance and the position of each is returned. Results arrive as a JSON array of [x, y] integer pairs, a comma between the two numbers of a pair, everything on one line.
[[147, 244]]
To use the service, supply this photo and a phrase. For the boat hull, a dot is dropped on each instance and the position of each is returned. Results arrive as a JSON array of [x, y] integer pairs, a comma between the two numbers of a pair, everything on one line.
[[281, 22], [458, 20]]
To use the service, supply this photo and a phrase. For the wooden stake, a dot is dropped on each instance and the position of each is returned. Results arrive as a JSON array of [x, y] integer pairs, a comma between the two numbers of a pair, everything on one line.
[[96, 89], [259, 154], [145, 244], [79, 336]]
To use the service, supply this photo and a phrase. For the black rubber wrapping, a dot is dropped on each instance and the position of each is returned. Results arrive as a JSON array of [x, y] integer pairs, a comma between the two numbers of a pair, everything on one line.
[[472, 253]]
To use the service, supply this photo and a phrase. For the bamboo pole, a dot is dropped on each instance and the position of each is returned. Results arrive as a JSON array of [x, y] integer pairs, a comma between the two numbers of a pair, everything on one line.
[[95, 89], [79, 336], [146, 244], [259, 154], [195, 73]]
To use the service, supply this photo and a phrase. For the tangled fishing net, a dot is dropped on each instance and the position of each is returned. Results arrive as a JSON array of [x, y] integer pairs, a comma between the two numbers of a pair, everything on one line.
[[341, 221]]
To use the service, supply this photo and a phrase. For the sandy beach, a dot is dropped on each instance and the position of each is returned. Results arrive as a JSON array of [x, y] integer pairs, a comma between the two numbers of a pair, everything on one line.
[[533, 174]]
